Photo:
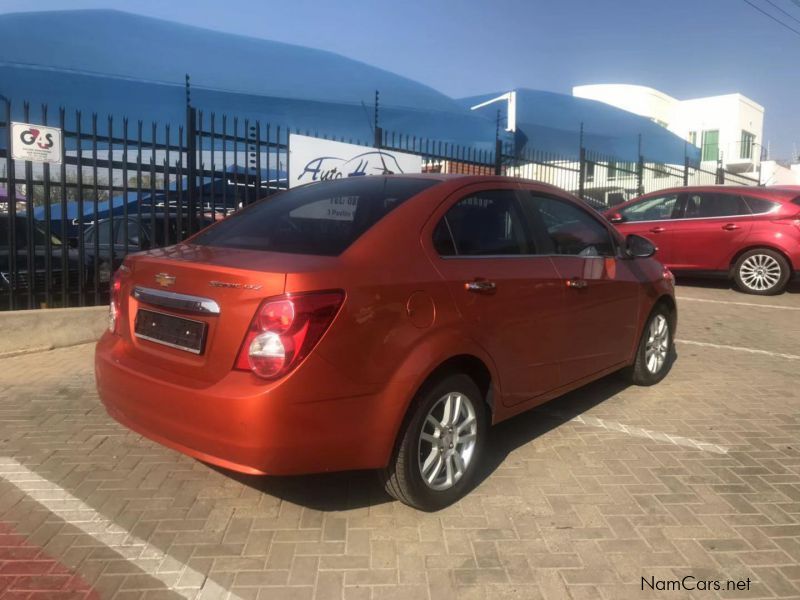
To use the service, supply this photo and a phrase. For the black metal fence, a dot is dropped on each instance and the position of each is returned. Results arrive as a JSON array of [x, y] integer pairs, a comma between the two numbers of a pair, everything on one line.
[[121, 187], [128, 186]]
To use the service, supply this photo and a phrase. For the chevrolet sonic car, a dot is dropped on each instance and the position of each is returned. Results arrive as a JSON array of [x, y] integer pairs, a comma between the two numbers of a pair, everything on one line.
[[379, 322], [748, 234]]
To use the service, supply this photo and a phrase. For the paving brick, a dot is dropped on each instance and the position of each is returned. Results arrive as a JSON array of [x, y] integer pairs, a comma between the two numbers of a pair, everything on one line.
[[572, 509]]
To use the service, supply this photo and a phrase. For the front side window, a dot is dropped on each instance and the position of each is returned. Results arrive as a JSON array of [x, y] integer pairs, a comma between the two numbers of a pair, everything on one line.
[[483, 224], [659, 208], [709, 205], [318, 219], [133, 233], [101, 230], [568, 229]]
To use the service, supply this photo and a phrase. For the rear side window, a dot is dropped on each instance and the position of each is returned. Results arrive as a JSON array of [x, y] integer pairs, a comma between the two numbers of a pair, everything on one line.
[[320, 219], [707, 205], [484, 224], [759, 206]]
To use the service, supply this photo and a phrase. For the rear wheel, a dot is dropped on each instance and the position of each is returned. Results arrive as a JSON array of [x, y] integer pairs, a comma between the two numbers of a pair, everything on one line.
[[761, 271], [437, 454], [656, 349]]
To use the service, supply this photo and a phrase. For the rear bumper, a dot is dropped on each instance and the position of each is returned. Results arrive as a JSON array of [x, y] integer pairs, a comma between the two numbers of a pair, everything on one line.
[[241, 423]]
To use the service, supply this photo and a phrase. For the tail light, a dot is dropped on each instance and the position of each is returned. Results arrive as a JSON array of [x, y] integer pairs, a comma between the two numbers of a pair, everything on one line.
[[113, 306], [284, 330]]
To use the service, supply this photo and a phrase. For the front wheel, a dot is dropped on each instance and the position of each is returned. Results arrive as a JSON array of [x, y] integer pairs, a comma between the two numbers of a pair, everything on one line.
[[436, 459], [762, 272], [656, 349]]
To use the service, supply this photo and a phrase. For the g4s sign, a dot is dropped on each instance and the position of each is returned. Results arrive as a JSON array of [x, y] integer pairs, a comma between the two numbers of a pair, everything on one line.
[[35, 143]]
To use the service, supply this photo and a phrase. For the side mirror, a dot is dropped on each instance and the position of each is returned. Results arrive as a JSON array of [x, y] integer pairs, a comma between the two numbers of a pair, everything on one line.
[[616, 218], [639, 247]]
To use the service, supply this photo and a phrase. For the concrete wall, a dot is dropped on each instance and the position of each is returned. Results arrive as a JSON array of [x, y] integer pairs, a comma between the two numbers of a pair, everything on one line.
[[24, 331]]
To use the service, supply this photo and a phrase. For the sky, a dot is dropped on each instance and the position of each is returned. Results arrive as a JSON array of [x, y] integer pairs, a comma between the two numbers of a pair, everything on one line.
[[685, 48]]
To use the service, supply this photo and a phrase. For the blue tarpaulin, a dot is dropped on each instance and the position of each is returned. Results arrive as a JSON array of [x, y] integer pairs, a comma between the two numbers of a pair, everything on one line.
[[552, 123], [120, 64]]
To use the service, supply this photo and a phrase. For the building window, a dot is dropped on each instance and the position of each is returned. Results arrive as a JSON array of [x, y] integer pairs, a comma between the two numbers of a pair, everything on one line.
[[693, 138], [746, 145], [710, 147], [612, 169]]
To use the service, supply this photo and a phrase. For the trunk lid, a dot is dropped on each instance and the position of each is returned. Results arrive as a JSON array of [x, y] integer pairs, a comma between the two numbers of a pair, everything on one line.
[[235, 281]]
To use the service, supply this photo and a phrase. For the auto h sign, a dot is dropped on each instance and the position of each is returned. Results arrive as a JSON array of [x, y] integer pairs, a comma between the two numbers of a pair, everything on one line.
[[35, 143], [314, 159]]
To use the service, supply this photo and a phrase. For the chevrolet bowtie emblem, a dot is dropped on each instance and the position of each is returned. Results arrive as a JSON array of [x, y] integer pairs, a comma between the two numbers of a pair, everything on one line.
[[165, 279]]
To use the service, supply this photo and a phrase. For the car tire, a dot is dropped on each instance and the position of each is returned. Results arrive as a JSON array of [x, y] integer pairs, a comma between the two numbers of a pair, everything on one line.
[[426, 477], [656, 350], [762, 272]]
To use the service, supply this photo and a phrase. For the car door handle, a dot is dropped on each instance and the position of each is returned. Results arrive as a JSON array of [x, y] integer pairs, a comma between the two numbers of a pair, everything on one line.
[[656, 230], [577, 283], [730, 227], [481, 286]]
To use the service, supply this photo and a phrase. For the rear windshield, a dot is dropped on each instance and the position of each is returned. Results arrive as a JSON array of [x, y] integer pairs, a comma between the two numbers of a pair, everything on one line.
[[322, 218]]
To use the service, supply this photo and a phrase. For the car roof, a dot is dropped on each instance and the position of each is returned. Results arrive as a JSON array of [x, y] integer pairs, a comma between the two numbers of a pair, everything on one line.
[[780, 193], [461, 180]]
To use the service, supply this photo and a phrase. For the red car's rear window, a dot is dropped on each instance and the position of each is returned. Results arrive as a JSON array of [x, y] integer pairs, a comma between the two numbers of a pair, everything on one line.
[[322, 218]]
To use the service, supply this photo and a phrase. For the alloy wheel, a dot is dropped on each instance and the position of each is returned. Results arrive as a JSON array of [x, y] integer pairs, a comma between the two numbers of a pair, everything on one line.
[[657, 345], [760, 272], [447, 441]]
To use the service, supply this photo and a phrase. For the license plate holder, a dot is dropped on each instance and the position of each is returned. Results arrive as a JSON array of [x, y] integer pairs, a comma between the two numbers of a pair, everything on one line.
[[170, 330]]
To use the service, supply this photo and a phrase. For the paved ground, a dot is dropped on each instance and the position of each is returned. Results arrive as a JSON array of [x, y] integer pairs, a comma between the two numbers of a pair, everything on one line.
[[583, 498]]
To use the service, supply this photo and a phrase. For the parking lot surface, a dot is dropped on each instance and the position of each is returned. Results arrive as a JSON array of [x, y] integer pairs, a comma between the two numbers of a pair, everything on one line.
[[605, 493]]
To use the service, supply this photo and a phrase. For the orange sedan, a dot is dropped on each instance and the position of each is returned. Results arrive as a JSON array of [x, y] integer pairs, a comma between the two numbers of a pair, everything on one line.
[[379, 322]]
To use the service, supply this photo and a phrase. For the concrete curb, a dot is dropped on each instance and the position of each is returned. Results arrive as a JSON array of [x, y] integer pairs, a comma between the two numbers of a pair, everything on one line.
[[25, 331]]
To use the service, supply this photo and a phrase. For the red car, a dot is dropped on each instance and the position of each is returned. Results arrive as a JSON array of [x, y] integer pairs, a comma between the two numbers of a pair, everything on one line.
[[379, 323], [748, 234]]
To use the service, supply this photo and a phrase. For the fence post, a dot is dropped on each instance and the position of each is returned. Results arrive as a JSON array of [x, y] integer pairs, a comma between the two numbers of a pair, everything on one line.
[[581, 171], [11, 198], [685, 171], [640, 175], [191, 159]]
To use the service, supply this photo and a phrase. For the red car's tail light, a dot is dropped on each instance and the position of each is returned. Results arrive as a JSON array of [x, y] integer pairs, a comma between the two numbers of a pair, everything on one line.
[[284, 330], [113, 305]]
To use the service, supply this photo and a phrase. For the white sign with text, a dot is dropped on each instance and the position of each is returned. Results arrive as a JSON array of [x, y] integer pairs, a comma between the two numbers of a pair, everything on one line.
[[35, 143], [314, 159]]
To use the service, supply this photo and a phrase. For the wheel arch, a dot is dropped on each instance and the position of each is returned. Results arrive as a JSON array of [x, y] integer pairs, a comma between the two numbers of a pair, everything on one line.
[[470, 365], [444, 351]]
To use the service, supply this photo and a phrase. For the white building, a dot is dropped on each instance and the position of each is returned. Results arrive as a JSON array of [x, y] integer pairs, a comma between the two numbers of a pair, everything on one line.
[[727, 128], [774, 173]]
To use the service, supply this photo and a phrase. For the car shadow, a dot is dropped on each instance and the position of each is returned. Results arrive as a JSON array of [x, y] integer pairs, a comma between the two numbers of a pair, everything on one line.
[[358, 489], [725, 284]]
